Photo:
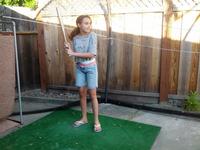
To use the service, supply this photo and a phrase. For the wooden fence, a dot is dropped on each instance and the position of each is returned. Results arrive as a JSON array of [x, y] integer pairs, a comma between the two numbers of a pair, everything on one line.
[[151, 52], [155, 52]]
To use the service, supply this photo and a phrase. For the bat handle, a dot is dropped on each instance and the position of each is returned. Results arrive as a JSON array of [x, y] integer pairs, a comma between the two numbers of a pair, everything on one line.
[[67, 47]]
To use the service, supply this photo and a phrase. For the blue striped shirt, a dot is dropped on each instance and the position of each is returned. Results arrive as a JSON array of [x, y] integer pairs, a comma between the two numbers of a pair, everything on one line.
[[85, 44]]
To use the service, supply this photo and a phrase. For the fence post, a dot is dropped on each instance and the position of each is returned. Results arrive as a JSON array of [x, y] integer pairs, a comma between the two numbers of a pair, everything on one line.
[[165, 54], [42, 58]]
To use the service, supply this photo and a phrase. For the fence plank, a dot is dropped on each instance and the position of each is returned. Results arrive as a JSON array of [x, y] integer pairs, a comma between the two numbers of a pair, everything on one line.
[[134, 41], [67, 62], [127, 61], [194, 69], [28, 59], [42, 57], [193, 83], [175, 28], [117, 52], [102, 57], [55, 70], [156, 33], [150, 53], [189, 36]]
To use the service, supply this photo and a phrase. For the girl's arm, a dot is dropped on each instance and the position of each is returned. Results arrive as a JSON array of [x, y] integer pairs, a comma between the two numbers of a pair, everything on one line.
[[91, 49], [71, 52], [82, 55]]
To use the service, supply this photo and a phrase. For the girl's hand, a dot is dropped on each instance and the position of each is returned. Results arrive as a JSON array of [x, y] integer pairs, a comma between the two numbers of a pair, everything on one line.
[[66, 46], [68, 49], [70, 52]]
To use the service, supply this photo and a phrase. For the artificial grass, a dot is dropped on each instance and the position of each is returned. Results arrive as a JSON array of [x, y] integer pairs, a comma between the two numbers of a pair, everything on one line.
[[55, 132]]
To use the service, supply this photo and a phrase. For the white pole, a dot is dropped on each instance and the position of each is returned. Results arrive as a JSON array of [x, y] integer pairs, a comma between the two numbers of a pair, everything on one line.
[[17, 69]]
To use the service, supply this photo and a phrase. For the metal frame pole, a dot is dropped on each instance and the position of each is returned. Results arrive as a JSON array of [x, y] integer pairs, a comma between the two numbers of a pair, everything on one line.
[[109, 29], [18, 75]]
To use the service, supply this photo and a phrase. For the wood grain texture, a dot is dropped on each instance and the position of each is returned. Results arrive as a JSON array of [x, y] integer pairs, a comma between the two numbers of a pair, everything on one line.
[[188, 61], [150, 52], [56, 72], [42, 57], [175, 34]]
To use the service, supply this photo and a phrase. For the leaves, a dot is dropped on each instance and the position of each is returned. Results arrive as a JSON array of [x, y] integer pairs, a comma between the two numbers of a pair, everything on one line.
[[192, 102], [25, 3]]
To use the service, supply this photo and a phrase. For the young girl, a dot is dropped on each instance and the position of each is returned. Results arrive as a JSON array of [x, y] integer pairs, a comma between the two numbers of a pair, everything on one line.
[[84, 49]]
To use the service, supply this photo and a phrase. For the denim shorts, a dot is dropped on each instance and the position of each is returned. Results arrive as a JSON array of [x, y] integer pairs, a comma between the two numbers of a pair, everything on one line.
[[87, 76]]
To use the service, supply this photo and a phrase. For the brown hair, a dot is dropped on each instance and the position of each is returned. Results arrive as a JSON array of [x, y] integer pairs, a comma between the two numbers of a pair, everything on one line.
[[76, 30]]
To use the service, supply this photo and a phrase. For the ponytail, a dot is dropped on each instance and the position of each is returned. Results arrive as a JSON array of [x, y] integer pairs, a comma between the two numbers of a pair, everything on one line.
[[74, 32]]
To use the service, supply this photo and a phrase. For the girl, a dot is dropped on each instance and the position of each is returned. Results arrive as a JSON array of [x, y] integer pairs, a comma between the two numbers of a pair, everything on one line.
[[84, 43]]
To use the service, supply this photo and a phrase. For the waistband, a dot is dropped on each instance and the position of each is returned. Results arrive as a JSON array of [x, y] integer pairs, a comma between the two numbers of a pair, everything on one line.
[[78, 59], [87, 63]]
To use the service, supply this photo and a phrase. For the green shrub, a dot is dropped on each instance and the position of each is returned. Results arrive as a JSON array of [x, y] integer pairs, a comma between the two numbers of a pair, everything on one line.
[[192, 103], [25, 3]]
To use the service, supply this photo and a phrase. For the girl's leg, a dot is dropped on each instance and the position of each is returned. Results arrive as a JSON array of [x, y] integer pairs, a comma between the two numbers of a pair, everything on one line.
[[95, 106], [83, 102]]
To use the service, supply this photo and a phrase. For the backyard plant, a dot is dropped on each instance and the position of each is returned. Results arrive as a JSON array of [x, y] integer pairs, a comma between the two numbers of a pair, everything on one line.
[[192, 102], [24, 3]]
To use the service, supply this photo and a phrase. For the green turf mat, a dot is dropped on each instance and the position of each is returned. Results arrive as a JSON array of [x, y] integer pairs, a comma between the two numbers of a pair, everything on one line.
[[55, 132]]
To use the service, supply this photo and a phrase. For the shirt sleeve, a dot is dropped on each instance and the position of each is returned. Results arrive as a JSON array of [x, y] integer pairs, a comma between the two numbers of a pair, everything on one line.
[[93, 44]]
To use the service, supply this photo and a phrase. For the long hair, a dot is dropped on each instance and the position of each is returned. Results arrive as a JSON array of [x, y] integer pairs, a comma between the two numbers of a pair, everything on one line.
[[76, 30]]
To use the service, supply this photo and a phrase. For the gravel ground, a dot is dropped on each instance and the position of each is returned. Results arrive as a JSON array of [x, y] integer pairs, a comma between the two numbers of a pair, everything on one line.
[[34, 99], [57, 94]]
